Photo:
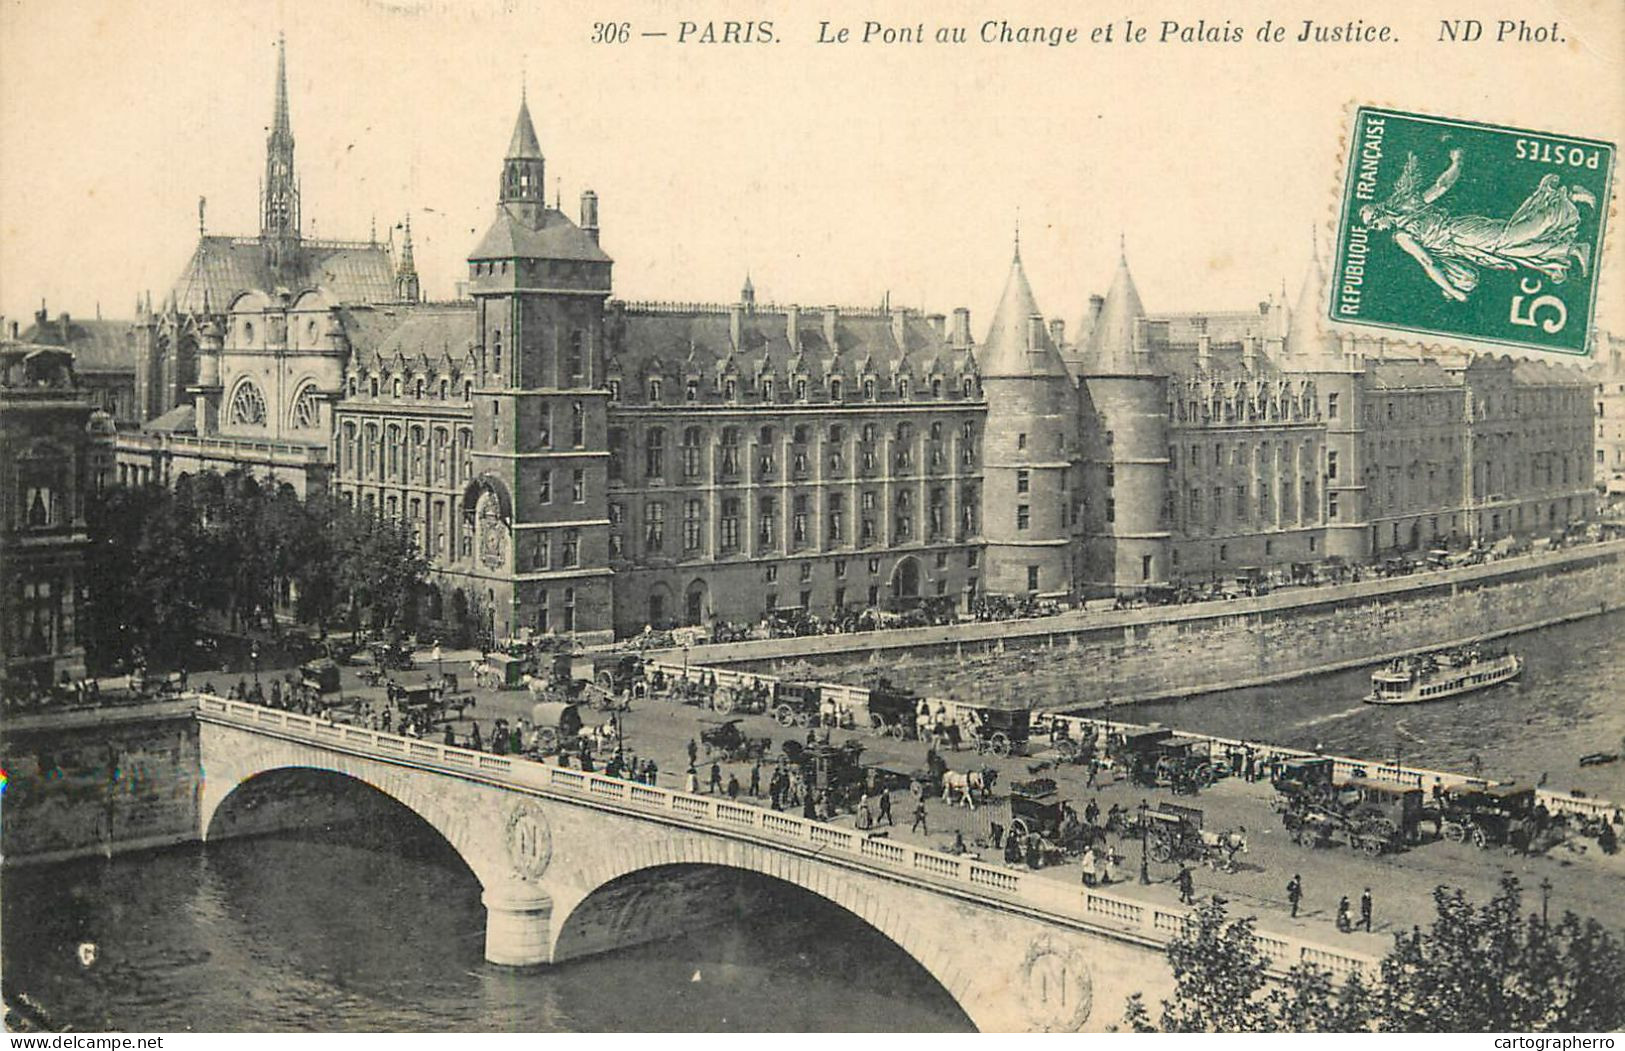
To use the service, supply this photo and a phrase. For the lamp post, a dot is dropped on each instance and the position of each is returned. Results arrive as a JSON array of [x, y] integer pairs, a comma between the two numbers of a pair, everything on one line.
[[1145, 870], [685, 662], [1545, 898], [254, 660]]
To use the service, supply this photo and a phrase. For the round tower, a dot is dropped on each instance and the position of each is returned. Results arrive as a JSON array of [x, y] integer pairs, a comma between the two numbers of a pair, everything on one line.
[[1029, 442], [1125, 406], [206, 392]]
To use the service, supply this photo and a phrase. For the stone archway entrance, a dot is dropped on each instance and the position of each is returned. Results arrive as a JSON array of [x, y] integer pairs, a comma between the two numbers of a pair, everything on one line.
[[696, 604], [905, 579]]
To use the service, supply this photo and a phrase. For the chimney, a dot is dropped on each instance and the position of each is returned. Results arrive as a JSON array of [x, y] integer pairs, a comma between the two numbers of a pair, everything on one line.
[[1035, 331], [1249, 353], [589, 214], [831, 315], [1057, 333], [899, 327], [1096, 305], [792, 326], [40, 315], [961, 337], [736, 326], [939, 325], [65, 323]]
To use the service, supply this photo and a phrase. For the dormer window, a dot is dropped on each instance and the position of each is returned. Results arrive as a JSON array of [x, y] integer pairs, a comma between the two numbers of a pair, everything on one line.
[[902, 387], [614, 390], [936, 388], [691, 390], [372, 387], [767, 389], [801, 390], [869, 390], [395, 388], [352, 387], [417, 388], [835, 389], [730, 389], [445, 389], [967, 387]]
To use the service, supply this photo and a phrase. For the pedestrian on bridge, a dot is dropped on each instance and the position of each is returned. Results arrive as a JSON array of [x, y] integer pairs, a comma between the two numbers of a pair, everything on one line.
[[1294, 893], [714, 784], [919, 818], [691, 782], [733, 787], [1091, 812], [1088, 866], [1187, 893], [1343, 923], [693, 752], [756, 779], [885, 809], [1365, 910]]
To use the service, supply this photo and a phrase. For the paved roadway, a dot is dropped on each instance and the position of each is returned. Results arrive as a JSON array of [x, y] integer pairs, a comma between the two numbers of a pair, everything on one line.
[[1401, 884]]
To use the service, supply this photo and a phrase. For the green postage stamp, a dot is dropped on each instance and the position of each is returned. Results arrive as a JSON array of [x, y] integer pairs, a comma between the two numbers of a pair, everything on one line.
[[1471, 231]]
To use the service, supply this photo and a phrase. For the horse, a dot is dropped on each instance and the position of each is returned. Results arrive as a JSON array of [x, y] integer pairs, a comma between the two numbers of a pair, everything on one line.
[[966, 786], [1220, 848]]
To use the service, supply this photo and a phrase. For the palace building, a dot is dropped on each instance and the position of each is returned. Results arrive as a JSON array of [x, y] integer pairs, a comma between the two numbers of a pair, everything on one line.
[[578, 464]]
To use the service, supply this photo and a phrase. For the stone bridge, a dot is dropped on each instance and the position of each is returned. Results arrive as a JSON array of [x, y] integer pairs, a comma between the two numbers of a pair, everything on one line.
[[573, 863]]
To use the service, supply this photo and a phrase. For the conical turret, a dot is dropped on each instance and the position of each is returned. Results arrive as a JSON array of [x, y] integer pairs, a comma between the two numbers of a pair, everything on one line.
[[523, 170], [1307, 338], [1018, 344], [1111, 340]]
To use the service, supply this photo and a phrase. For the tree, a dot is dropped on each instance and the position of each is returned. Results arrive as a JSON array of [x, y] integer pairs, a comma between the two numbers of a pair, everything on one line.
[[1478, 969], [1490, 969]]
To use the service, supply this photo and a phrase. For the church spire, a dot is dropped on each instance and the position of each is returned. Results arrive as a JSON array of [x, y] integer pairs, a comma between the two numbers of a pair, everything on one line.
[[279, 205], [406, 270], [523, 190]]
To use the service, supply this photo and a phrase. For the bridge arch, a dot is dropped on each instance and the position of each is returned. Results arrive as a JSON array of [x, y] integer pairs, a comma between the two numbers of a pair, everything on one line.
[[592, 912]]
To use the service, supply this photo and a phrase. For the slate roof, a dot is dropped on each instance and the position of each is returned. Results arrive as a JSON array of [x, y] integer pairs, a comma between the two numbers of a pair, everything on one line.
[[1111, 336], [97, 345], [179, 420], [510, 237], [673, 343], [1007, 352], [429, 337], [222, 267]]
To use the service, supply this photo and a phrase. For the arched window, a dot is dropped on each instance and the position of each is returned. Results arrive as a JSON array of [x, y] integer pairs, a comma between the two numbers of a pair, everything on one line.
[[247, 405], [835, 388], [395, 388], [578, 424], [306, 413]]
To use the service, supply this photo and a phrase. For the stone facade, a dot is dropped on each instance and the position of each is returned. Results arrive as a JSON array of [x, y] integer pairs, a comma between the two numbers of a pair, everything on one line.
[[55, 449], [578, 465]]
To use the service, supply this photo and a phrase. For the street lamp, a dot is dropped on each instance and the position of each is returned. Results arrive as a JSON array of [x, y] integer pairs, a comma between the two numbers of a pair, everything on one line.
[[1145, 871], [1545, 898], [254, 659]]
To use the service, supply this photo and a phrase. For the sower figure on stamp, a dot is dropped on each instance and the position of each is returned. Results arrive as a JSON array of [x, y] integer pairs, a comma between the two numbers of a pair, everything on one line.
[[1541, 235]]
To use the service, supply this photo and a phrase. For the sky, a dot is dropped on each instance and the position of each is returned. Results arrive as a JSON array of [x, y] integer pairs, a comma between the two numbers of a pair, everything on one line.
[[833, 173]]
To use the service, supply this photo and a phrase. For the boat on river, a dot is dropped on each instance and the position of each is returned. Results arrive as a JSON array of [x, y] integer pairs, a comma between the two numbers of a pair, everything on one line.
[[1443, 673]]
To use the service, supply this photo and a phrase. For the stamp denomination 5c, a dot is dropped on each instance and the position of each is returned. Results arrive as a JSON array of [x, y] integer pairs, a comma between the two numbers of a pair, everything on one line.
[[1470, 231]]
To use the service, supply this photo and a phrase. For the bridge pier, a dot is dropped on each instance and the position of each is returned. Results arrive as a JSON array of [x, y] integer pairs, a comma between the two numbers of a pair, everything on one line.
[[518, 924]]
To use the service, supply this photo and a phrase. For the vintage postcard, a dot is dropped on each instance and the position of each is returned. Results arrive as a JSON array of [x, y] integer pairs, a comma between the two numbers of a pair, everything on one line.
[[910, 518]]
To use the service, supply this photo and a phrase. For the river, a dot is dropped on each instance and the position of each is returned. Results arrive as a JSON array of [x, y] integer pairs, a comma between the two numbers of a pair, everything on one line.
[[380, 928]]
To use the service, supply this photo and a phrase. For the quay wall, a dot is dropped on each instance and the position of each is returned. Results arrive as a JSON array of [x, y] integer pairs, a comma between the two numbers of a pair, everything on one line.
[[1082, 660], [99, 782]]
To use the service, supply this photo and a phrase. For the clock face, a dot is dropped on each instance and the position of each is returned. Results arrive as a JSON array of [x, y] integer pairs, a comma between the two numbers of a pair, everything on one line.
[[493, 533]]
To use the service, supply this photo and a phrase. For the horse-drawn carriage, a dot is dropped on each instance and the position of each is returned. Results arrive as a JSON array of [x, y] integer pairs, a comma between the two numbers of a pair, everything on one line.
[[892, 708], [1001, 729], [429, 702], [797, 703], [1036, 808], [724, 737], [1155, 757], [1490, 815], [1373, 817], [320, 675], [556, 726], [836, 770]]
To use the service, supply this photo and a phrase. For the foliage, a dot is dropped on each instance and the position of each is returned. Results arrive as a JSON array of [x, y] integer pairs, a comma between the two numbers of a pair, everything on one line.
[[165, 563], [1479, 969]]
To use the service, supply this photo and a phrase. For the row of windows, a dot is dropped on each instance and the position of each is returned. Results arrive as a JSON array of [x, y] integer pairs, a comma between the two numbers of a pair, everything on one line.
[[729, 460], [421, 388], [800, 389], [417, 453], [800, 523]]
